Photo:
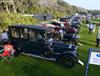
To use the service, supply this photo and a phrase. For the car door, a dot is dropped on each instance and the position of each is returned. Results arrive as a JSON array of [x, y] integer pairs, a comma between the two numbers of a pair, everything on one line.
[[32, 45]]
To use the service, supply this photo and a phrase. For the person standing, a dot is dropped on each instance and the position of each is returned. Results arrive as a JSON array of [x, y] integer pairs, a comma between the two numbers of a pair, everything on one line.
[[90, 28], [4, 36], [98, 37], [88, 19], [94, 27], [61, 32]]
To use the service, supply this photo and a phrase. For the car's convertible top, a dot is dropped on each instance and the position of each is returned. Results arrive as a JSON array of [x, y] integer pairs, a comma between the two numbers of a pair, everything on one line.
[[35, 27]]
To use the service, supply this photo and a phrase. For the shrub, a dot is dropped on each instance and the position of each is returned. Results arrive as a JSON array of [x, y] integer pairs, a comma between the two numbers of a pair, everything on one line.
[[9, 19]]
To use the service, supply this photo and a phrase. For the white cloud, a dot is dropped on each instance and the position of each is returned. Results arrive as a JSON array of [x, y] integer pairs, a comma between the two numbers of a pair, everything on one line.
[[88, 4]]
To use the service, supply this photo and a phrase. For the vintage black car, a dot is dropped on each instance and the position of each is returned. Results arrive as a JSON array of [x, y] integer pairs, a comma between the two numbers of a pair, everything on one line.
[[32, 39]]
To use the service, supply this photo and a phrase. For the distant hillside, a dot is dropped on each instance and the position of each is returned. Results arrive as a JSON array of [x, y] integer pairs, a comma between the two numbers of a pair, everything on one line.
[[38, 6]]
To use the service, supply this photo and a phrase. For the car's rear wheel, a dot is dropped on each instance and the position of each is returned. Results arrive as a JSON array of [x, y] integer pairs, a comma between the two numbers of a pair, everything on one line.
[[18, 51], [68, 60]]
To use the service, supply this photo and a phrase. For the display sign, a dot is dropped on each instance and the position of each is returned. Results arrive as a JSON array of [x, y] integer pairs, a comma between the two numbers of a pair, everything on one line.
[[95, 58]]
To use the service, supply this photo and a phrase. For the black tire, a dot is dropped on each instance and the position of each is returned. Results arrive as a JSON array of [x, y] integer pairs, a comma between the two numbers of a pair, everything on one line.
[[68, 60], [17, 51], [47, 53]]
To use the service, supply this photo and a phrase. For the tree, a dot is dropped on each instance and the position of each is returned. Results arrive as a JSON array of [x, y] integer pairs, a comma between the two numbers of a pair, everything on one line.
[[13, 5], [7, 4]]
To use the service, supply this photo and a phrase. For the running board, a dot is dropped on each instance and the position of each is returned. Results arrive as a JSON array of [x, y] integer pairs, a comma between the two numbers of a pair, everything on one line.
[[37, 56]]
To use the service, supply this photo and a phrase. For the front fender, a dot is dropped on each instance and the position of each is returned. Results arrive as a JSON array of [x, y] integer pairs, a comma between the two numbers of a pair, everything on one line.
[[74, 53]]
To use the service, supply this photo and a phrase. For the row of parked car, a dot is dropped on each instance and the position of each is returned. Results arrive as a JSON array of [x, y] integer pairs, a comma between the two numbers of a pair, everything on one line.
[[47, 41]]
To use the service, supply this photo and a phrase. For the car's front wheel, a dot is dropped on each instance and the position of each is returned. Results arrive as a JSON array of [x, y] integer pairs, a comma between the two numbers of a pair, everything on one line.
[[68, 60]]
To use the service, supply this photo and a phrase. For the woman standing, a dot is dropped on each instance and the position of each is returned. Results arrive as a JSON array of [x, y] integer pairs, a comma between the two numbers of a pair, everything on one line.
[[98, 37]]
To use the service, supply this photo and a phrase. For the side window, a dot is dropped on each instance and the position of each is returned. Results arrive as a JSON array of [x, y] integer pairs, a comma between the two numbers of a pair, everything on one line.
[[32, 35], [39, 36], [24, 33], [15, 32]]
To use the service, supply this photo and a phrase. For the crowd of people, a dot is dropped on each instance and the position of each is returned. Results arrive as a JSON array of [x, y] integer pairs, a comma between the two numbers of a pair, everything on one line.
[[92, 29]]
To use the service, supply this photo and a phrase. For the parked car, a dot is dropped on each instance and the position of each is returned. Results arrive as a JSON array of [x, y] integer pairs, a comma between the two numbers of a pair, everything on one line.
[[65, 19], [33, 40], [73, 28]]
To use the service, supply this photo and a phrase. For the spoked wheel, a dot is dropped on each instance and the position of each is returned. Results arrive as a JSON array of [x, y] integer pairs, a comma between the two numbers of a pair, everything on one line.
[[68, 60]]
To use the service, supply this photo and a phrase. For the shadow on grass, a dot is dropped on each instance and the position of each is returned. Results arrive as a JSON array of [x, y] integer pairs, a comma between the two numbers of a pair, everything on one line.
[[50, 61], [86, 39], [87, 43], [84, 33]]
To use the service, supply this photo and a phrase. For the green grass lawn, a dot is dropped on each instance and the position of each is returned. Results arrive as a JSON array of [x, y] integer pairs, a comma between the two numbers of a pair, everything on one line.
[[95, 21], [28, 66]]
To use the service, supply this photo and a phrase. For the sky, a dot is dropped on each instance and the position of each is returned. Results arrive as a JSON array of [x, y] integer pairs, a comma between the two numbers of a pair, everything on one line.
[[88, 4]]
